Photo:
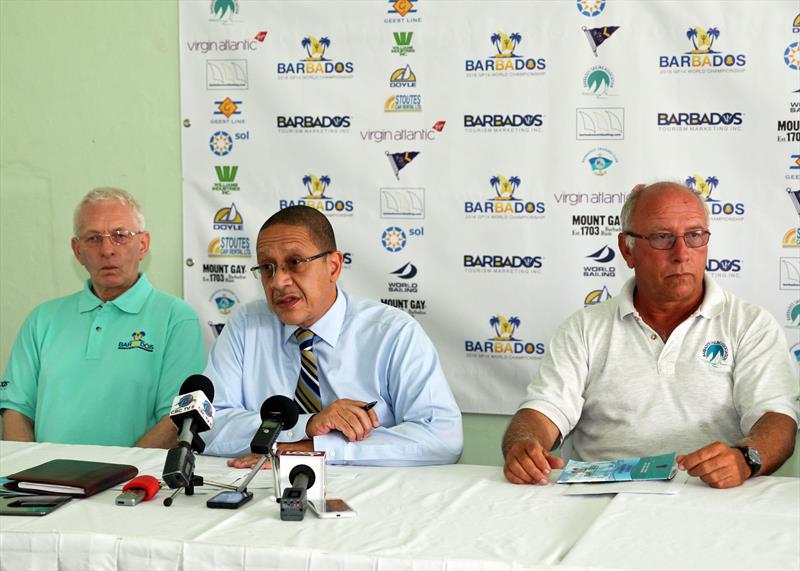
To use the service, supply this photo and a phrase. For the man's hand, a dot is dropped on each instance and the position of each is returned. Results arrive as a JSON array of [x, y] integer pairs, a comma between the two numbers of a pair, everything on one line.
[[345, 415], [718, 465], [250, 460], [528, 462]]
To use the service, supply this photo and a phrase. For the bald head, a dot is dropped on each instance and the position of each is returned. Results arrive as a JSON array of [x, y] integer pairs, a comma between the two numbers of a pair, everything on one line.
[[647, 192]]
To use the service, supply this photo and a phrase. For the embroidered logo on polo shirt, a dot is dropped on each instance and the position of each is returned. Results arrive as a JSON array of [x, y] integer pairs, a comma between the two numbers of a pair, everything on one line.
[[136, 343], [716, 353], [3, 384]]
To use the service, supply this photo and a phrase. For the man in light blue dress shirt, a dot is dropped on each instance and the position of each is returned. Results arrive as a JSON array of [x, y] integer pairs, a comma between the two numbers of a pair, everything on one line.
[[363, 351]]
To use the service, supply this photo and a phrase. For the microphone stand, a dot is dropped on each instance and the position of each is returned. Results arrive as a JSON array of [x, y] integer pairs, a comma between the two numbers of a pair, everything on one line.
[[193, 480], [273, 458]]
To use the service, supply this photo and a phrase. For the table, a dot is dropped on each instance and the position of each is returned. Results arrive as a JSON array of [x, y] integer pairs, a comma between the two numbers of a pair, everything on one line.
[[437, 517]]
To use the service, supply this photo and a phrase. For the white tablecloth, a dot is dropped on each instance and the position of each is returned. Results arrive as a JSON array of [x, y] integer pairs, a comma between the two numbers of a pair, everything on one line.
[[440, 517]]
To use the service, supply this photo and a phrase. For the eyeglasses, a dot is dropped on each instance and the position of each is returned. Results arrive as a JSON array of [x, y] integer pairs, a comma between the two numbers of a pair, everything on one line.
[[295, 266], [665, 241], [117, 237]]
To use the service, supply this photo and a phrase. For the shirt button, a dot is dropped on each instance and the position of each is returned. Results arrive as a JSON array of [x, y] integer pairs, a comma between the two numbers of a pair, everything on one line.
[[290, 433], [98, 328], [332, 453], [653, 337]]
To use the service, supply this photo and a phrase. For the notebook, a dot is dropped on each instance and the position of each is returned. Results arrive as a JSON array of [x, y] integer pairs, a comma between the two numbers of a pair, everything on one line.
[[72, 477]]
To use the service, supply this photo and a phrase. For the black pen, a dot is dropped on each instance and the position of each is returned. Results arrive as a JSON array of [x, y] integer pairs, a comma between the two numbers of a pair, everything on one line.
[[369, 405]]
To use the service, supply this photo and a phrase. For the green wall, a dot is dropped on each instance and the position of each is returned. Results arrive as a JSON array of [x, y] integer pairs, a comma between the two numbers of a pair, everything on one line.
[[89, 96]]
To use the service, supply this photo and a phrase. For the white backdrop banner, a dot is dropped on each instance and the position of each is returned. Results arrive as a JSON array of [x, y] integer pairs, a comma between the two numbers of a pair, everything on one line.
[[473, 156]]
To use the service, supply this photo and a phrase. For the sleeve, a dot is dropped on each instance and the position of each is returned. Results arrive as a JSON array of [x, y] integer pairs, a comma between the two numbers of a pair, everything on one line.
[[557, 389], [234, 425], [184, 355], [19, 385], [427, 428], [764, 377]]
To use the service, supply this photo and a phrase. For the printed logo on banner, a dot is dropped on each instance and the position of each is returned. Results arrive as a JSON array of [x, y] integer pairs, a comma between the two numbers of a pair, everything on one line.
[[227, 74], [229, 247], [504, 203], [598, 123], [795, 352], [402, 12], [723, 267], [791, 239], [596, 296], [505, 341], [439, 126], [221, 143], [228, 45], [405, 274], [794, 168], [789, 273], [597, 197], [226, 179], [595, 224], [403, 77], [591, 8], [228, 218], [261, 36], [702, 58], [789, 131], [381, 135], [694, 121], [137, 342], [596, 36], [227, 112], [402, 42], [796, 25], [793, 315], [216, 328], [502, 264], [794, 106], [399, 161], [602, 267], [224, 273], [794, 198], [402, 103], [719, 210], [499, 123], [394, 239], [413, 307], [306, 124], [224, 10], [315, 65], [506, 62], [716, 353], [597, 81], [224, 300], [791, 56], [406, 203], [600, 160], [315, 197]]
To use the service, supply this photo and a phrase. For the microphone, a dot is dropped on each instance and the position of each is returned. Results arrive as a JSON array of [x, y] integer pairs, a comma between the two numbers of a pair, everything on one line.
[[294, 501], [192, 412], [277, 413]]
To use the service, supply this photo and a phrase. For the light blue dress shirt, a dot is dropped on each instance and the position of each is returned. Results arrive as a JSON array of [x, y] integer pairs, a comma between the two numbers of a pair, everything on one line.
[[365, 351]]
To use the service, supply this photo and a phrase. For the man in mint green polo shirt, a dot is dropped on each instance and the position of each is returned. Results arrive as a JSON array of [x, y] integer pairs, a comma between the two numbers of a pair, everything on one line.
[[103, 365]]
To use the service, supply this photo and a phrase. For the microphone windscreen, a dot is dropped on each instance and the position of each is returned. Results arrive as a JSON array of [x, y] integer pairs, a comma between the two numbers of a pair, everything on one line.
[[198, 383], [282, 407], [304, 470]]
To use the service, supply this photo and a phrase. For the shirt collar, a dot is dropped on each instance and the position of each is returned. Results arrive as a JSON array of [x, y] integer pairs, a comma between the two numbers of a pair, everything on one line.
[[131, 301], [711, 306], [329, 326]]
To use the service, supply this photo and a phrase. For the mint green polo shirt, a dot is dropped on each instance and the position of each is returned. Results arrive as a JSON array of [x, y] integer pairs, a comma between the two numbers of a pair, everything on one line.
[[89, 372]]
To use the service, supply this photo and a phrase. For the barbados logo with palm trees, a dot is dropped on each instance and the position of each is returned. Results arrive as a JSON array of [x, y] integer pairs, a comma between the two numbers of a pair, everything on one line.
[[704, 187], [315, 196], [506, 59], [315, 63], [503, 201], [505, 340], [703, 56]]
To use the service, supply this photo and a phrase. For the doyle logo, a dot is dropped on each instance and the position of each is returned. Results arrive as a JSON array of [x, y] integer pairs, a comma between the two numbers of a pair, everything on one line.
[[402, 12], [227, 112], [402, 42], [793, 315], [229, 247], [401, 103], [796, 25], [591, 8], [228, 218], [226, 179], [503, 203], [226, 273], [498, 123], [700, 122], [600, 160], [596, 296], [791, 239], [224, 10], [601, 268], [597, 81], [502, 264], [716, 353], [504, 342], [221, 143], [599, 123], [791, 56], [227, 74], [315, 197], [702, 58], [313, 123], [137, 342], [506, 61], [597, 36], [224, 300], [723, 266], [315, 65], [719, 210], [403, 77]]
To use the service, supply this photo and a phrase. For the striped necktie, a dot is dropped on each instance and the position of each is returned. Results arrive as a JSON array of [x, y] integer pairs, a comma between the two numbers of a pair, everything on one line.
[[307, 393]]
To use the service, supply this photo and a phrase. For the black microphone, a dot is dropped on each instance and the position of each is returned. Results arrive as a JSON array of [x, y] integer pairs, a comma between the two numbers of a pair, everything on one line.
[[192, 412], [294, 501], [277, 413]]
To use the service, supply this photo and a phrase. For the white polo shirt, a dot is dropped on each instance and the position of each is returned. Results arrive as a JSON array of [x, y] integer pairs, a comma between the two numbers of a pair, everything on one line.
[[611, 384]]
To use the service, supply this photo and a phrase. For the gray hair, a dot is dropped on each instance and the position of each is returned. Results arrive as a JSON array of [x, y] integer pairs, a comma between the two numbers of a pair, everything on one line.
[[105, 194], [626, 215]]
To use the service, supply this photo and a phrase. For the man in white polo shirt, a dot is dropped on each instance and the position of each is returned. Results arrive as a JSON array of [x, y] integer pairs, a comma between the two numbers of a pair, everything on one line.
[[674, 363]]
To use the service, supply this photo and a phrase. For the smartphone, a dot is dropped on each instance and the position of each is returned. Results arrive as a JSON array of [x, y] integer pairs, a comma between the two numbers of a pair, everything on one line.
[[334, 508], [230, 499]]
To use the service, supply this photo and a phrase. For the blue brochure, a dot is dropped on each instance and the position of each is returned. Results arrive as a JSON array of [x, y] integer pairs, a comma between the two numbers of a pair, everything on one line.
[[660, 467]]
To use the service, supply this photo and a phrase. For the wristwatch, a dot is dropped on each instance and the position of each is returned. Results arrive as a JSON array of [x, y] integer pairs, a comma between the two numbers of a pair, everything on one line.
[[751, 457]]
